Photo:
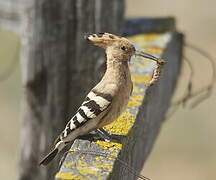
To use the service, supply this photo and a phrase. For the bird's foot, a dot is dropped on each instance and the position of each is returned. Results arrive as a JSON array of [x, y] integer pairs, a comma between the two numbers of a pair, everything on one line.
[[104, 134], [110, 137], [101, 134]]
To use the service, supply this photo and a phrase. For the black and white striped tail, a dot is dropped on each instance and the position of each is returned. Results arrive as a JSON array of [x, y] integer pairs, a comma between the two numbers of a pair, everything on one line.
[[49, 157], [94, 104]]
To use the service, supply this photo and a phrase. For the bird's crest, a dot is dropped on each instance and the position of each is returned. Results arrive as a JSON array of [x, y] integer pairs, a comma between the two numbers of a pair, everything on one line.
[[119, 47]]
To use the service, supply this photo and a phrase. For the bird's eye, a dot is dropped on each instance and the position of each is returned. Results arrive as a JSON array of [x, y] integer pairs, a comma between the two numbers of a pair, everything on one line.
[[123, 48]]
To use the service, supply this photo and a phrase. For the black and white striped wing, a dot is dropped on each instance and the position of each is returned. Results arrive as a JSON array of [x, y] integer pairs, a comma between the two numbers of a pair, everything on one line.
[[94, 104]]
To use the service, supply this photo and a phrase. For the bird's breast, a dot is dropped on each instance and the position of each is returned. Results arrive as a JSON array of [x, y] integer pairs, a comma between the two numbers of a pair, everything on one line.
[[119, 103]]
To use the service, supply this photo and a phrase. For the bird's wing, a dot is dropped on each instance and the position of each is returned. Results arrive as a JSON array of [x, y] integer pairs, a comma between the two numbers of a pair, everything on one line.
[[95, 103]]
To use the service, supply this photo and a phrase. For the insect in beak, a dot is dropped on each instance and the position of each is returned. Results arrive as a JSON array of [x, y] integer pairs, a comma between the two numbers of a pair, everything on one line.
[[149, 56]]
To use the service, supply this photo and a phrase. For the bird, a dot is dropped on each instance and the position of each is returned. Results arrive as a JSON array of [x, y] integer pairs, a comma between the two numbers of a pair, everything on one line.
[[108, 99]]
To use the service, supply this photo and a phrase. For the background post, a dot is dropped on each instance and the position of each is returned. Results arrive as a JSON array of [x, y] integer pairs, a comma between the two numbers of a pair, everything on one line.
[[58, 69]]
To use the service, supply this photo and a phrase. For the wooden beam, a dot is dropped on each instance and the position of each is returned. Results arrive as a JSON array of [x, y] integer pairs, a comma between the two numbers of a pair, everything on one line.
[[140, 123]]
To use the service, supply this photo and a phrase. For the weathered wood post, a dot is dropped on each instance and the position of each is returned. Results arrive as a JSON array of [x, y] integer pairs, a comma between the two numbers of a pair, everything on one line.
[[9, 15], [58, 68]]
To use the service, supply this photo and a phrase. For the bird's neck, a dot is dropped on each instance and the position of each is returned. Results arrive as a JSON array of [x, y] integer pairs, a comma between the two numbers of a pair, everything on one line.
[[117, 70]]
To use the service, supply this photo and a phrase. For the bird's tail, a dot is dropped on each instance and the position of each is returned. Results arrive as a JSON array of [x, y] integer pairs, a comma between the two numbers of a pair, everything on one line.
[[49, 157]]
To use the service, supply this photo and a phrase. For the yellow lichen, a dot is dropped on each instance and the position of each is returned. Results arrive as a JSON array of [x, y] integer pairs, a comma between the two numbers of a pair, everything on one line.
[[83, 168], [114, 154], [70, 164], [137, 98], [140, 78], [153, 49], [133, 104], [88, 170], [135, 101], [140, 64], [144, 38], [81, 162], [136, 89], [98, 158], [109, 145], [73, 149], [103, 166], [122, 125], [68, 176]]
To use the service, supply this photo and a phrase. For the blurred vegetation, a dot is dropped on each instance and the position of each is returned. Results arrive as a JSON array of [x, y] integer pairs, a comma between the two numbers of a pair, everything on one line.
[[9, 66], [10, 96]]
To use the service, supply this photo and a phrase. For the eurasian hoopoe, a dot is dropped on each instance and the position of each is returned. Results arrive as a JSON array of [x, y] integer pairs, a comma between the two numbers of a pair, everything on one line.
[[106, 101]]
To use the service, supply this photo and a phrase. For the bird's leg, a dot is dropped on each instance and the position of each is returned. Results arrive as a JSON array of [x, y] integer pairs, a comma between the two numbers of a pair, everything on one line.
[[91, 136], [104, 134], [101, 134], [110, 137], [97, 134]]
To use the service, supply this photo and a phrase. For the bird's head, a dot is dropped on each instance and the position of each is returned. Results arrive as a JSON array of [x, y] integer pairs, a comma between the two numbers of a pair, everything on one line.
[[115, 46], [118, 47]]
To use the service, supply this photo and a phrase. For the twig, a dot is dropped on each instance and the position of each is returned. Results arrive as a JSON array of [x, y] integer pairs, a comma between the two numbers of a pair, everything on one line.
[[188, 92], [189, 95], [208, 89]]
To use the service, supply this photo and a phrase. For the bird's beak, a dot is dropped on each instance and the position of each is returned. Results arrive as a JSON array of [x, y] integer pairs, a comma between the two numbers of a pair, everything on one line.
[[149, 56]]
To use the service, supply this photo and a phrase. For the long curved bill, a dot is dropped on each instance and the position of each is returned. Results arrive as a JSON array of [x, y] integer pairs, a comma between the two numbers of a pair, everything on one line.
[[149, 56]]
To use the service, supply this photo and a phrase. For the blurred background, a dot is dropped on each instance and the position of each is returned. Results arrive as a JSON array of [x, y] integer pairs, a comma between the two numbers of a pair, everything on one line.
[[186, 146]]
